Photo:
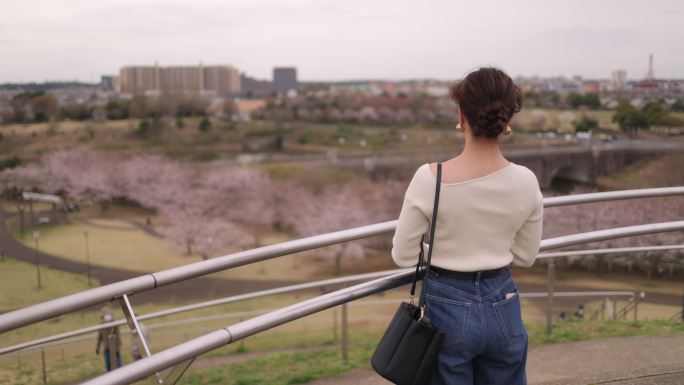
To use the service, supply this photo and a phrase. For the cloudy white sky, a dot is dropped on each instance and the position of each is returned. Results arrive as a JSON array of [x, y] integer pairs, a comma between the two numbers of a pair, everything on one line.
[[342, 39]]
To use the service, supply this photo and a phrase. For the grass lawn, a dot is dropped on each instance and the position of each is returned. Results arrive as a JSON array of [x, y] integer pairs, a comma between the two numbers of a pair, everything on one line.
[[113, 243], [19, 288]]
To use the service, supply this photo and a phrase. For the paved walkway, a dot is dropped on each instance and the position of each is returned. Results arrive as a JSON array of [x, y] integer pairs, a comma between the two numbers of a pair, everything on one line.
[[615, 361]]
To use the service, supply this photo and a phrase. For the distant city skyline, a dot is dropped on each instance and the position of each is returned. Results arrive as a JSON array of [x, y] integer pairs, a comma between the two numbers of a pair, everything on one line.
[[337, 40]]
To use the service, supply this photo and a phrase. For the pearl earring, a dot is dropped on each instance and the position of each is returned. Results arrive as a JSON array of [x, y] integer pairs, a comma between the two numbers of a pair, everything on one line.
[[507, 130], [460, 128]]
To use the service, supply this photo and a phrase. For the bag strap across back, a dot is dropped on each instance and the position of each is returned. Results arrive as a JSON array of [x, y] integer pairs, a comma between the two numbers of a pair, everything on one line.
[[421, 262]]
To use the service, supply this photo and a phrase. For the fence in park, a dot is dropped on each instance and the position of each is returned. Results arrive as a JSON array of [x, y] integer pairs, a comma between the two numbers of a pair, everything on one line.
[[178, 358]]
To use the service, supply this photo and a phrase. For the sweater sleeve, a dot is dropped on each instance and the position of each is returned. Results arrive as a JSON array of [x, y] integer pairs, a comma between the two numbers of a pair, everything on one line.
[[525, 245], [411, 226]]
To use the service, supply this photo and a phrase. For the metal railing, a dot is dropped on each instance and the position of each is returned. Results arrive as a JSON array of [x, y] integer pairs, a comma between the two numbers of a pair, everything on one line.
[[318, 284], [77, 336], [192, 348], [201, 305], [67, 304]]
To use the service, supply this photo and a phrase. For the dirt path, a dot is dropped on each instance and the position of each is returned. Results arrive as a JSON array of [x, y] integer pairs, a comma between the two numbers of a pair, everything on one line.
[[196, 289], [616, 361]]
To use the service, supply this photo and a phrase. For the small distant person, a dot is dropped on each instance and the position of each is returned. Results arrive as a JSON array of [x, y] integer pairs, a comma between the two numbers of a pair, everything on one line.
[[580, 312], [562, 316], [138, 351], [111, 341]]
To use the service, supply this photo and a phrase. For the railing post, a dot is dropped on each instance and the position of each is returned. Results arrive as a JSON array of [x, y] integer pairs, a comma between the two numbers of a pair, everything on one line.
[[42, 360], [136, 330], [549, 298], [133, 324], [242, 347], [636, 305], [334, 326], [345, 334]]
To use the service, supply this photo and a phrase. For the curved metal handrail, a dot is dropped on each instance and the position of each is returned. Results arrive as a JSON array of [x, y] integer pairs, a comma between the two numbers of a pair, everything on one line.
[[296, 287], [67, 304], [194, 347], [195, 320], [201, 305]]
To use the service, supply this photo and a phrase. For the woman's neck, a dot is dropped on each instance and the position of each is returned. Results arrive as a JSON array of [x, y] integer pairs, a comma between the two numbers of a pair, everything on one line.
[[482, 150]]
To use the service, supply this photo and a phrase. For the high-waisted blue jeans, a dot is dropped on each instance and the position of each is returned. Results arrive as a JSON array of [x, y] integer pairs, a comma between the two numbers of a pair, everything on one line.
[[485, 341]]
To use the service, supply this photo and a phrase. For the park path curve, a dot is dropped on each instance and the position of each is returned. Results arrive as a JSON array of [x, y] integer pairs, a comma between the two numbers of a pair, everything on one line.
[[195, 289]]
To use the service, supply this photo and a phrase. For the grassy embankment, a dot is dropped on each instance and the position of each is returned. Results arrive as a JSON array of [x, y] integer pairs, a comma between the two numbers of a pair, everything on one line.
[[662, 172], [314, 355], [301, 351], [302, 367]]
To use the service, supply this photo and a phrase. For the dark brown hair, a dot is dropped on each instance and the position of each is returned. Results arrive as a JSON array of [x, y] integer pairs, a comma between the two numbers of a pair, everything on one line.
[[488, 98]]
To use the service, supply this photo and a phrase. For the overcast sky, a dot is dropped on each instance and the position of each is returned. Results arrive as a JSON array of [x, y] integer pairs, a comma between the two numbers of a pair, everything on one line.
[[342, 39]]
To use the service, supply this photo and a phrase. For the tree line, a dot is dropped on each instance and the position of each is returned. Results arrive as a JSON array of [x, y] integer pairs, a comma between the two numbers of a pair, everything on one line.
[[206, 210]]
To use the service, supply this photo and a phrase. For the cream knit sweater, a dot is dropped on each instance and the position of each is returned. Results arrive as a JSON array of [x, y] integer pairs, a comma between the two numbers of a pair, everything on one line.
[[484, 223]]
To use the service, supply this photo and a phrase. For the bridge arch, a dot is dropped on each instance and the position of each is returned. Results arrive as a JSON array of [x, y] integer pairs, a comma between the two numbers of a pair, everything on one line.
[[564, 176]]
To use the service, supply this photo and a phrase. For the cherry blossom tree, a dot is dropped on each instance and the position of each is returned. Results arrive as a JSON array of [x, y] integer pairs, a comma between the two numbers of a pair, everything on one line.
[[307, 213], [155, 182], [86, 175], [603, 215]]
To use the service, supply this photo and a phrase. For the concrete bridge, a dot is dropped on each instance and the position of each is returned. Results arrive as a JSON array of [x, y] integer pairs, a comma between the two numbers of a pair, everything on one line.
[[582, 162], [585, 163]]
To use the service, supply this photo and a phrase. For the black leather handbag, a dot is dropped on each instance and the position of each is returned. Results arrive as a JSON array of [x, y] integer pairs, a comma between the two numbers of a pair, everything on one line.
[[407, 353]]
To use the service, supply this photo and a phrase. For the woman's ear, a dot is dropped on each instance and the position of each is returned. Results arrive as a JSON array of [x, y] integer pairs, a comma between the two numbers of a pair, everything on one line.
[[461, 122]]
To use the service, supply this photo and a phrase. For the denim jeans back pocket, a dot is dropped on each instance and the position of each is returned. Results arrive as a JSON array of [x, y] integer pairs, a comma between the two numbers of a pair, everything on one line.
[[509, 316], [449, 317]]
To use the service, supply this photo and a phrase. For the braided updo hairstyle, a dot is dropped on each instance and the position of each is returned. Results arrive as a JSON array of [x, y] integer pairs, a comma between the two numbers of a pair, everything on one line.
[[488, 98]]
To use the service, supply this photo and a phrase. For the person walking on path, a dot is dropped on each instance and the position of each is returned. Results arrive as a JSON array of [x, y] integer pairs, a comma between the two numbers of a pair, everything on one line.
[[489, 218], [111, 342]]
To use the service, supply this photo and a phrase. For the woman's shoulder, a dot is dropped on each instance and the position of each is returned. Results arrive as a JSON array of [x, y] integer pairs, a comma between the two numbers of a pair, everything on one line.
[[423, 182], [524, 172]]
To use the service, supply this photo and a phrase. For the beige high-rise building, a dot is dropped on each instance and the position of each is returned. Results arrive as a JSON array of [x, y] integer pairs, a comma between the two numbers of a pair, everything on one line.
[[216, 79]]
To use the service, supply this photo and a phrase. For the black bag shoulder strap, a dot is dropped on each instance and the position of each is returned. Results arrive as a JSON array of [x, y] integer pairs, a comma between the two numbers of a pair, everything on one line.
[[433, 224]]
